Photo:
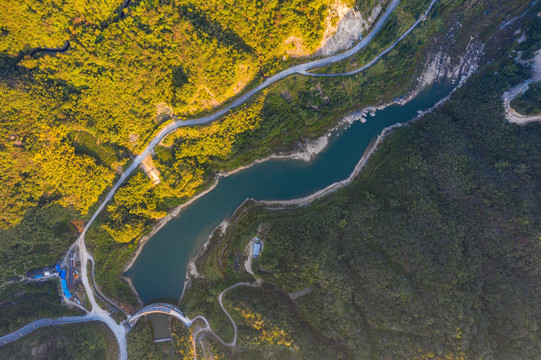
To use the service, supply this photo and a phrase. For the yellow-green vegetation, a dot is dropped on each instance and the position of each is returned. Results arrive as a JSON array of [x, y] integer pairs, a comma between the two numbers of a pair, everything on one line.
[[182, 340], [267, 333], [420, 258], [27, 24], [190, 56], [72, 120], [287, 112]]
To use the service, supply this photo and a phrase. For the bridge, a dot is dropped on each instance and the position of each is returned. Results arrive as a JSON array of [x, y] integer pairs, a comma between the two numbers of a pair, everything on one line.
[[160, 308]]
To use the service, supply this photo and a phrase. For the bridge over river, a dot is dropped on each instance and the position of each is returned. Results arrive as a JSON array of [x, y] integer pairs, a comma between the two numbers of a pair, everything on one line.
[[157, 308]]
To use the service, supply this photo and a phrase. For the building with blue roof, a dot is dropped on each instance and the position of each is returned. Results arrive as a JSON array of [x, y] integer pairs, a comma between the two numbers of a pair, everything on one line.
[[256, 249], [65, 289]]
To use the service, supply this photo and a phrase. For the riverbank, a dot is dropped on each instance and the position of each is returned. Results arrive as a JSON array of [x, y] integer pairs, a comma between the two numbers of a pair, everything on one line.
[[210, 118], [314, 147], [438, 69], [461, 72], [414, 223]]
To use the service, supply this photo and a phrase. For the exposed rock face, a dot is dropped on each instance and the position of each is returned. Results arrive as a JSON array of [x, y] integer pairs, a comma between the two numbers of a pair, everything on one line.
[[441, 66], [349, 30]]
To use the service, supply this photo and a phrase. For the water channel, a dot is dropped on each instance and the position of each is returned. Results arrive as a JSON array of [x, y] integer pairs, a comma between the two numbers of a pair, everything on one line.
[[159, 272]]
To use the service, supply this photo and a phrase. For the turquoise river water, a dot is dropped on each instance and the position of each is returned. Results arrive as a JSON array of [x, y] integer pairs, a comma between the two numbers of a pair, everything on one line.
[[159, 272]]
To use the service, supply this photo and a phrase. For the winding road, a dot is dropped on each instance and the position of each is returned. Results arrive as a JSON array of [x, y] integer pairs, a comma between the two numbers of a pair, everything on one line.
[[511, 114], [208, 329], [25, 330], [97, 313], [297, 69], [377, 58]]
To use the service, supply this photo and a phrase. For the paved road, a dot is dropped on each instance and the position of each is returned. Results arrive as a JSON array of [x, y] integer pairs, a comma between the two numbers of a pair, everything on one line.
[[117, 330], [162, 308], [208, 329], [112, 305], [25, 330], [298, 69], [511, 114], [377, 58]]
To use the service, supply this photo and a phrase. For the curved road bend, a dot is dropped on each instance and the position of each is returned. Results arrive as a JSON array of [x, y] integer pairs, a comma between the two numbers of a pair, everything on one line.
[[298, 69], [511, 114], [376, 59], [110, 303], [208, 329]]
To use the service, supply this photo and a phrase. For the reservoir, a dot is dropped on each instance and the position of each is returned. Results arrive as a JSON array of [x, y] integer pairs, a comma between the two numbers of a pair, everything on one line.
[[159, 272]]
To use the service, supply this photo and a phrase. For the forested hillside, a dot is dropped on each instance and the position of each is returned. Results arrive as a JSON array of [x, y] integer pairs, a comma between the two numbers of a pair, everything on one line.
[[72, 120], [277, 119], [116, 72], [432, 253]]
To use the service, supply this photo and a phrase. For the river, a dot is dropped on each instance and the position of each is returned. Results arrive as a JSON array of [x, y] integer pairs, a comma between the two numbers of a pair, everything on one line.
[[159, 272]]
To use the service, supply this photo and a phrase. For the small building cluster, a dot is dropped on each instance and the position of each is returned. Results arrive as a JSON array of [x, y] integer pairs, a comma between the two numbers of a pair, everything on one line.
[[45, 272], [69, 278]]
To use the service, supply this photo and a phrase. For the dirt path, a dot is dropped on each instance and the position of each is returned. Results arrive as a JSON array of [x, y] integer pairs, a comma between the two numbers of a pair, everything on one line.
[[510, 114]]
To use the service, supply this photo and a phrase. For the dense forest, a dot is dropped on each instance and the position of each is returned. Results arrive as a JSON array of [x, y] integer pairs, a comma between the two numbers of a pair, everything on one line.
[[433, 251], [115, 75], [73, 120]]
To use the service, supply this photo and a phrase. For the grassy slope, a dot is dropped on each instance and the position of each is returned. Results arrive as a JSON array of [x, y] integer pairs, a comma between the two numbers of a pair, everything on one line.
[[21, 304], [433, 251]]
